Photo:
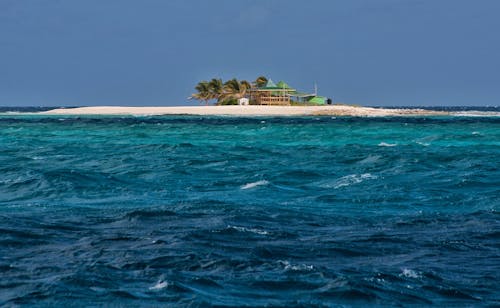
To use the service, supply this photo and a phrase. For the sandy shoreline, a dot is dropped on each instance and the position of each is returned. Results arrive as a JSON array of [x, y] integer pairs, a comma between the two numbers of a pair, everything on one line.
[[337, 110]]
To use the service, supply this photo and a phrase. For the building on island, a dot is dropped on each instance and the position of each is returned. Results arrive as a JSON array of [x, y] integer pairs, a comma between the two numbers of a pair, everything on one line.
[[282, 94], [243, 101]]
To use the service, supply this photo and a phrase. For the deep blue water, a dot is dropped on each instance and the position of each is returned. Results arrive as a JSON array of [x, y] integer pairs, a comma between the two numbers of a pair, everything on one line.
[[226, 211]]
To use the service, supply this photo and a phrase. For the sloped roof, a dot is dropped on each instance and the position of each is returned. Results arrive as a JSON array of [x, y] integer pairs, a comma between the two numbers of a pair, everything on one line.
[[317, 100], [283, 85], [270, 84]]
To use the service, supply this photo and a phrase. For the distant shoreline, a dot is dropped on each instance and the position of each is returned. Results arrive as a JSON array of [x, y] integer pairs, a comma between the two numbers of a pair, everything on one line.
[[252, 110]]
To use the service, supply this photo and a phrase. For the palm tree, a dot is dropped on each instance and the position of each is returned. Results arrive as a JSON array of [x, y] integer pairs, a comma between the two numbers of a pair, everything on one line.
[[247, 84], [235, 89], [261, 81], [203, 93], [216, 88]]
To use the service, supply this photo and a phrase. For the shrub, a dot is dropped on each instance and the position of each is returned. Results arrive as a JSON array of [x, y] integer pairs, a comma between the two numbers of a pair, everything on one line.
[[229, 101]]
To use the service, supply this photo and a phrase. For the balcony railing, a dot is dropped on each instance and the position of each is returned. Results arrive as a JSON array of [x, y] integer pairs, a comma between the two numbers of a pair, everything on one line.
[[274, 100]]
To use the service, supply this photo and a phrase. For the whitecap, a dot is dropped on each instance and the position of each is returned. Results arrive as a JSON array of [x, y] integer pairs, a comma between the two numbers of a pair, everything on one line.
[[384, 144], [299, 267], [353, 179], [159, 285], [375, 279], [425, 144], [254, 184], [409, 273], [251, 230]]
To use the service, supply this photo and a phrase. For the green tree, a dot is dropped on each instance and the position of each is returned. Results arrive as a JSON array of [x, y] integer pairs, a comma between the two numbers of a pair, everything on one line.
[[247, 84], [261, 81], [216, 88], [203, 93], [234, 89]]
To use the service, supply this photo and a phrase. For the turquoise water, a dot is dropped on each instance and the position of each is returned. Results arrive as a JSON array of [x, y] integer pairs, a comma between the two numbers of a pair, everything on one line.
[[232, 211]]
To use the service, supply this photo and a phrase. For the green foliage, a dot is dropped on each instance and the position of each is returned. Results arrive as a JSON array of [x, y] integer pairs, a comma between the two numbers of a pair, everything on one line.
[[245, 84], [203, 93], [216, 88], [261, 81], [229, 101], [235, 89], [226, 93]]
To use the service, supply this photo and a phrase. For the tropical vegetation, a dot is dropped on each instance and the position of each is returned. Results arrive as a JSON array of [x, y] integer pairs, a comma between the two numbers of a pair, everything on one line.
[[224, 93]]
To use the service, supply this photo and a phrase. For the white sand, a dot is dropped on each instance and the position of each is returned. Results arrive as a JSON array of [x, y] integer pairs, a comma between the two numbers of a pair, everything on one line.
[[337, 110]]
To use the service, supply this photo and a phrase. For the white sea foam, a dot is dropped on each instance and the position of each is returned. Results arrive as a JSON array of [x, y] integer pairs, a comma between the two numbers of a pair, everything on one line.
[[375, 279], [409, 273], [159, 285], [299, 267], [425, 144], [251, 230], [384, 144], [353, 179], [254, 184]]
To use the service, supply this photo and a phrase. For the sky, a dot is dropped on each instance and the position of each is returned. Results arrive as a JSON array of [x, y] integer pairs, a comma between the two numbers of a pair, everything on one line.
[[153, 52]]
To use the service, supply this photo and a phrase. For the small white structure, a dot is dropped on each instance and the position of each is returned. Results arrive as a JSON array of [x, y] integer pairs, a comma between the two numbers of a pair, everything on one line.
[[243, 101]]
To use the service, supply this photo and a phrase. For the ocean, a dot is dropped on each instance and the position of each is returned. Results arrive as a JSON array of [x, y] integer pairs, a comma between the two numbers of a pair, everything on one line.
[[228, 211]]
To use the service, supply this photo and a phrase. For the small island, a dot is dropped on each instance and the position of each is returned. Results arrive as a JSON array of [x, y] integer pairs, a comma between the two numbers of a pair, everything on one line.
[[261, 97]]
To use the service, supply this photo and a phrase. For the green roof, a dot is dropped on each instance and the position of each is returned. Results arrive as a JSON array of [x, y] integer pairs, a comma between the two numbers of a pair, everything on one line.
[[283, 85], [270, 84], [317, 100]]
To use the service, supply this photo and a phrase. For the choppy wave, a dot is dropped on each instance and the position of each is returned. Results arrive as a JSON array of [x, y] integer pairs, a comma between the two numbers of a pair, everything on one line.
[[385, 144], [160, 285], [255, 184], [252, 230], [163, 211]]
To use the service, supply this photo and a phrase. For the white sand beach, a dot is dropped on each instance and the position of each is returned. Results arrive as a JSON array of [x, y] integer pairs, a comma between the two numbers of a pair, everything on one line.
[[251, 110]]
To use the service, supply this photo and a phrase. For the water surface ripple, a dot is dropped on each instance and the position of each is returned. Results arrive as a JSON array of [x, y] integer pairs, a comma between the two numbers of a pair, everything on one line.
[[230, 211]]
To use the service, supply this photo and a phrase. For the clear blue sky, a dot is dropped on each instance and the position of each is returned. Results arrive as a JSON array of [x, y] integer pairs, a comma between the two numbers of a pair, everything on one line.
[[153, 52]]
